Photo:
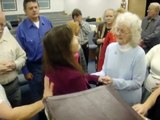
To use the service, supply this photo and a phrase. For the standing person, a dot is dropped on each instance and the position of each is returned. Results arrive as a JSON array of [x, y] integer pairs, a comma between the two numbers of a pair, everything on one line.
[[60, 46], [109, 38], [151, 27], [30, 33], [79, 55], [102, 30], [12, 58], [124, 62], [84, 32]]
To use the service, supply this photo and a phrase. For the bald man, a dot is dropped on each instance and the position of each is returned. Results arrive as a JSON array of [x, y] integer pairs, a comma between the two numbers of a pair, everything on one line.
[[12, 58], [151, 27]]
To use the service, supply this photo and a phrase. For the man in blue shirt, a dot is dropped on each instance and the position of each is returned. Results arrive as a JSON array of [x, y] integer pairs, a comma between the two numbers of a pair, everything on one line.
[[30, 33]]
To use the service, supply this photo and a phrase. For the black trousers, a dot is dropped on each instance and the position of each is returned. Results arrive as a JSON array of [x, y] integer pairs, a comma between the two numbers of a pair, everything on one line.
[[154, 112], [85, 48]]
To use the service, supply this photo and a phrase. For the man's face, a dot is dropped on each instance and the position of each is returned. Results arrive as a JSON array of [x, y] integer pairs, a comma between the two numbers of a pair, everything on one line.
[[151, 11], [32, 11], [2, 24]]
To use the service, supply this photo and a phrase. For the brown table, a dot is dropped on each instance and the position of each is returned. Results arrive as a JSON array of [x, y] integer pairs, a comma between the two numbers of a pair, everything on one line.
[[101, 103]]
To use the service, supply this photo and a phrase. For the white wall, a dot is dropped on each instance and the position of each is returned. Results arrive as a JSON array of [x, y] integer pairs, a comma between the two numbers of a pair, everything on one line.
[[56, 5], [92, 8]]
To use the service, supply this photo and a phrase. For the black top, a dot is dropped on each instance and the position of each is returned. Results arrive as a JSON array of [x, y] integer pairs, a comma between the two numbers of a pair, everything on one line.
[[154, 112]]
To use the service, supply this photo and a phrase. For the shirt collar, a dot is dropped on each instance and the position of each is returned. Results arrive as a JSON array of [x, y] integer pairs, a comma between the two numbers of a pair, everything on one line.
[[30, 23], [125, 48]]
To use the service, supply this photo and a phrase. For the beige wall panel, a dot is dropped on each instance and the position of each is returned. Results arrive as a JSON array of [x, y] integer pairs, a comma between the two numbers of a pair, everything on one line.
[[138, 7]]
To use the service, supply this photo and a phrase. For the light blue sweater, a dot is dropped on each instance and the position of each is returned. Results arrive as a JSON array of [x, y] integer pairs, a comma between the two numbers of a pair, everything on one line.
[[127, 70]]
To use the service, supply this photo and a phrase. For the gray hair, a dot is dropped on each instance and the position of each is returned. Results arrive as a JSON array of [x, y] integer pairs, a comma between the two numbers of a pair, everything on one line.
[[156, 5], [133, 22]]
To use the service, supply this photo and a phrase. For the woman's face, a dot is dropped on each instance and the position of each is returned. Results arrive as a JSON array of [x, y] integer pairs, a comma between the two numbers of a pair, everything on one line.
[[75, 46], [109, 17], [123, 34]]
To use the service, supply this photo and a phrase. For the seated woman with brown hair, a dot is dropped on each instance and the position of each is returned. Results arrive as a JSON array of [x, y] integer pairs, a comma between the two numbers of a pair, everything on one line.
[[60, 45]]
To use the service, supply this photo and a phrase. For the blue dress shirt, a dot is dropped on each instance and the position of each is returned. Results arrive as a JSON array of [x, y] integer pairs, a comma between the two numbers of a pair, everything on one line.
[[30, 38]]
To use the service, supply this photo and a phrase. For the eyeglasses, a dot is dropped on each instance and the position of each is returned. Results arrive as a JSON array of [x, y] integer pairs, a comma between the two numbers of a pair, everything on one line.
[[121, 31]]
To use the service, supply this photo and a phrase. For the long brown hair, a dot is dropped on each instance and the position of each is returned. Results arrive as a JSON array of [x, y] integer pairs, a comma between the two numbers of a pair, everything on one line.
[[57, 51]]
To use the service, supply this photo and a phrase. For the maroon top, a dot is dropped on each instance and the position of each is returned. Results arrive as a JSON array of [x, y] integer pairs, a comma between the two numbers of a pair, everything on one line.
[[67, 80]]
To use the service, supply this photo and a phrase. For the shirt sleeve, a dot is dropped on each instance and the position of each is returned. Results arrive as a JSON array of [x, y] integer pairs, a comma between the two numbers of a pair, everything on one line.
[[91, 78], [20, 56], [85, 27], [20, 38]]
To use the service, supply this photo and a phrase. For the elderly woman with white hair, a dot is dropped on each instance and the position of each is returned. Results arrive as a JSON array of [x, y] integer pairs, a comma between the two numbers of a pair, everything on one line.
[[124, 62]]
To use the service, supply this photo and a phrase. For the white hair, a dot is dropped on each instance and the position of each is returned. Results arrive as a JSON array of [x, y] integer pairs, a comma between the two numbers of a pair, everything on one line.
[[133, 22]]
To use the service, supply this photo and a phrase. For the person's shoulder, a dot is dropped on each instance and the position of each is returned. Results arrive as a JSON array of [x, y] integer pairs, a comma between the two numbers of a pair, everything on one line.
[[65, 69], [85, 23], [46, 21], [44, 18], [156, 47], [112, 45], [158, 17], [23, 24], [140, 51], [145, 19], [157, 21]]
